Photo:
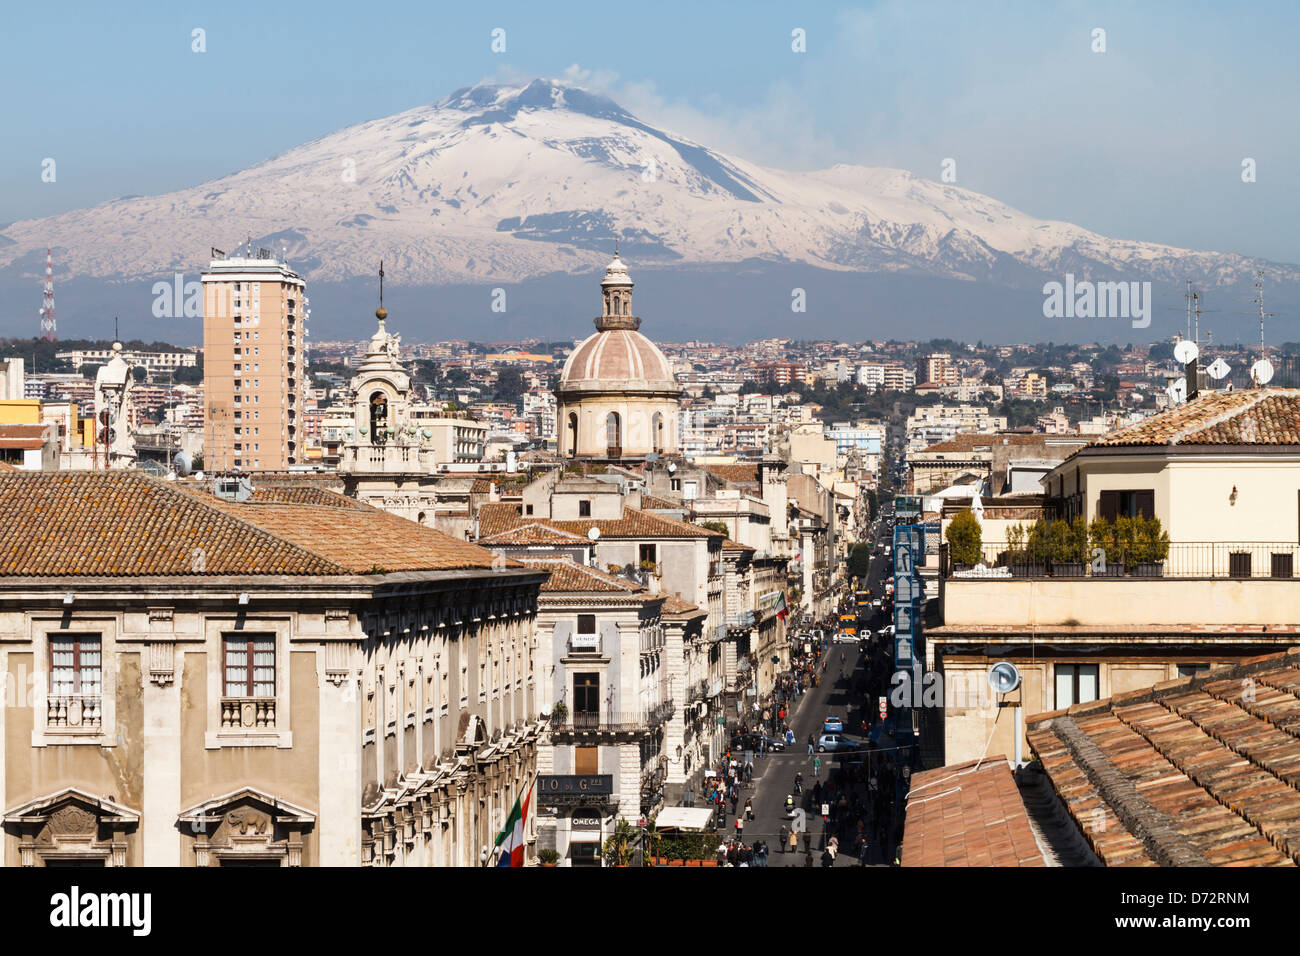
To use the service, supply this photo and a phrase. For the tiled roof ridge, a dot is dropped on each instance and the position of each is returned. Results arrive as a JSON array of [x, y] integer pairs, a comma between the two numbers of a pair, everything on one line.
[[1150, 826], [210, 503], [536, 523], [599, 575], [1233, 411]]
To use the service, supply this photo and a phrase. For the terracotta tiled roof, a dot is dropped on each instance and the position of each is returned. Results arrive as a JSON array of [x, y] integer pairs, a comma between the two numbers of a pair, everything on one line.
[[651, 503], [636, 524], [24, 437], [534, 532], [495, 517], [960, 816], [8, 469], [1248, 417], [128, 523], [1201, 771], [568, 575], [729, 545], [303, 495], [736, 474], [969, 441], [675, 604]]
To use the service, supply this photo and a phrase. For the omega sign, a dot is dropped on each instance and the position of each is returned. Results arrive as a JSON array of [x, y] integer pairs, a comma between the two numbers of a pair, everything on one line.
[[553, 789]]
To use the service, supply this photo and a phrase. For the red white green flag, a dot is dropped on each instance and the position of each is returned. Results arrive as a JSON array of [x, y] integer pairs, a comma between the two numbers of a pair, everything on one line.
[[780, 607], [511, 837]]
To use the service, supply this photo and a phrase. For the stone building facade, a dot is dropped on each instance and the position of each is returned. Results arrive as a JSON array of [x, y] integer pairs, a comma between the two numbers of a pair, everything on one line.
[[285, 679]]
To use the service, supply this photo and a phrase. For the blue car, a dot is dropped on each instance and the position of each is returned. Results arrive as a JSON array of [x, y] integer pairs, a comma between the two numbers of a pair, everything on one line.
[[833, 725]]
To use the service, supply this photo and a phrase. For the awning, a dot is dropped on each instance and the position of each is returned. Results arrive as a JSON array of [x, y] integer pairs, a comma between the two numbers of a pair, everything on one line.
[[585, 836], [685, 818]]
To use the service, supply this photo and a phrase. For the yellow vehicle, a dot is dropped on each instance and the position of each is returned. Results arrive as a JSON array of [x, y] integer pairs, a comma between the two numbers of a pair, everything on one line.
[[849, 624]]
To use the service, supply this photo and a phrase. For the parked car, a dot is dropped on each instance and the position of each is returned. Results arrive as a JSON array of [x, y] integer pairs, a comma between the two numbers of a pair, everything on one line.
[[844, 637], [833, 725], [835, 742]]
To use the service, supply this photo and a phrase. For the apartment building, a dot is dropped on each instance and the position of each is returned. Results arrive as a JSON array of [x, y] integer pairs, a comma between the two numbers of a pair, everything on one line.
[[1220, 472], [153, 361], [254, 373], [601, 643]]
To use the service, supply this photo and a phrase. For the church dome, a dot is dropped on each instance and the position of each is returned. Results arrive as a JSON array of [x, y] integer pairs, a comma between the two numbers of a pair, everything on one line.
[[618, 358]]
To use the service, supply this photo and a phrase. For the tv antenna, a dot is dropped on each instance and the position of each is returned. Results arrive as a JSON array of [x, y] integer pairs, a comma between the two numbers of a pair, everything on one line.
[[1262, 370]]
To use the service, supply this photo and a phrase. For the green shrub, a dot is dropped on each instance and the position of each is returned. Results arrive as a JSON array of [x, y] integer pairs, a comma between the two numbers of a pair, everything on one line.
[[964, 538]]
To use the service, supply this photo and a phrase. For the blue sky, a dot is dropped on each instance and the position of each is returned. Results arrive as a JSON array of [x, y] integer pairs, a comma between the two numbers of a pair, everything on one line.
[[1143, 141]]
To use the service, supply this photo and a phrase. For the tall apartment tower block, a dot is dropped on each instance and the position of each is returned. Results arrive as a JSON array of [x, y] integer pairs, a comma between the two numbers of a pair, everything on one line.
[[254, 353]]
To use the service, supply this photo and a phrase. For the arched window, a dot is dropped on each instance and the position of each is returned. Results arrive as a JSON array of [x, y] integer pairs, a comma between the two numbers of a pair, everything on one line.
[[613, 436], [378, 415], [657, 426], [573, 434]]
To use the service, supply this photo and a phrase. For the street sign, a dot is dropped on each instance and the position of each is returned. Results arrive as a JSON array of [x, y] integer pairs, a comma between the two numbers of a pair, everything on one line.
[[884, 708]]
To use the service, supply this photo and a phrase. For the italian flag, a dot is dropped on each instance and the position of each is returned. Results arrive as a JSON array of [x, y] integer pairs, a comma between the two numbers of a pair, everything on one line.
[[511, 838], [780, 607]]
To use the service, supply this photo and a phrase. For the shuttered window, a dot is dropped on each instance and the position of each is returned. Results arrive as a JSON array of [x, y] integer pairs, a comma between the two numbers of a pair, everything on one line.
[[1129, 504], [586, 760]]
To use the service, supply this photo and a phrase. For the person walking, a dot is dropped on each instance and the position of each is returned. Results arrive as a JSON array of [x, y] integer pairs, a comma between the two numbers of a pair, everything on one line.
[[784, 834], [740, 828], [810, 745], [817, 766], [794, 841]]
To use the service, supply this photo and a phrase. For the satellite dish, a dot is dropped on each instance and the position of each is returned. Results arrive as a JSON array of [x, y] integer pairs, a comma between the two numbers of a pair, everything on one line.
[[1186, 351], [671, 468], [593, 534], [1262, 371], [182, 463], [1177, 391], [1218, 369], [1004, 677]]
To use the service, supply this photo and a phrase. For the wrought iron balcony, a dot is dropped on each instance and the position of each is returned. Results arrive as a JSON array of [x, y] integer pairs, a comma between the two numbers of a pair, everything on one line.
[[1210, 560], [742, 620], [611, 722]]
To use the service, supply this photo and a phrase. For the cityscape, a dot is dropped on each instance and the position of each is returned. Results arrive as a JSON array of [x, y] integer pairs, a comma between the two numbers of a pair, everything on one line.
[[519, 482]]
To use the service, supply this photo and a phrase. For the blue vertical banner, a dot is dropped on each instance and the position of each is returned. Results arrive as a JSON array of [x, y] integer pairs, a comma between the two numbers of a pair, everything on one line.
[[909, 558]]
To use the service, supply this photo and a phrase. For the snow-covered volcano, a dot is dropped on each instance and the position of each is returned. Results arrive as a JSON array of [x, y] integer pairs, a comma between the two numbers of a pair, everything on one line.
[[507, 183]]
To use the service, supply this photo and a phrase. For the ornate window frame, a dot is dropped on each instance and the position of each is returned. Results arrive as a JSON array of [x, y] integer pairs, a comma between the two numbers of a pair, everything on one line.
[[106, 629], [215, 631]]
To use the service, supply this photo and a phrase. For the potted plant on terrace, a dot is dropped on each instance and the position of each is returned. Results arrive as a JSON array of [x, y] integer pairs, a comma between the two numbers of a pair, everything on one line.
[[1151, 545], [1069, 544], [559, 713], [548, 857], [964, 539], [1028, 549], [1126, 541], [1101, 535]]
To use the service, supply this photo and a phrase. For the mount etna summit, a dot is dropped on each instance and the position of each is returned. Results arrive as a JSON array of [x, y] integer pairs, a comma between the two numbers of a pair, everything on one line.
[[528, 187]]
